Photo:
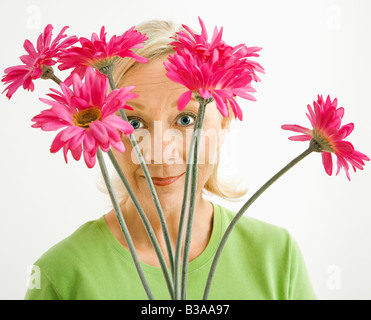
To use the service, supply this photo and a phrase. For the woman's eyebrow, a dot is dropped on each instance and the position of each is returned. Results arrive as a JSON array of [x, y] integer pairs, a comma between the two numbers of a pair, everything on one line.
[[192, 103], [135, 105]]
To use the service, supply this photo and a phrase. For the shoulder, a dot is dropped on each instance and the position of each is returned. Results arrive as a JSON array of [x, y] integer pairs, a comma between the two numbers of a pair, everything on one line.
[[76, 245], [61, 265], [269, 256], [254, 231]]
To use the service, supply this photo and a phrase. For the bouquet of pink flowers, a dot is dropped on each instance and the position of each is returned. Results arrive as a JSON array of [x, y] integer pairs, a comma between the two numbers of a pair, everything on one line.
[[89, 113]]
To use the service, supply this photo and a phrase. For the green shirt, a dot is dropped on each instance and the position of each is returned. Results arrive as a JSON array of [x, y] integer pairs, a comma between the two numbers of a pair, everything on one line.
[[259, 261]]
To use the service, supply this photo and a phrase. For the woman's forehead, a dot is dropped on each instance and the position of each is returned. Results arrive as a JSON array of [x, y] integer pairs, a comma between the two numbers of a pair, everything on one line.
[[150, 76]]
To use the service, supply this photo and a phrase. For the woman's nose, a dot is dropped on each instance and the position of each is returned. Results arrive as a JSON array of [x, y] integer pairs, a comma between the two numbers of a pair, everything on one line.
[[162, 146], [172, 150]]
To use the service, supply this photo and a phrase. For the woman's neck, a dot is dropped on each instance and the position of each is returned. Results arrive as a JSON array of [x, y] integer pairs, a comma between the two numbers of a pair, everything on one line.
[[201, 232]]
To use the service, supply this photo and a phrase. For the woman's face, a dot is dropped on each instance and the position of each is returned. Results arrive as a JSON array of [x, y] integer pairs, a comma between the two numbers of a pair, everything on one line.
[[163, 134]]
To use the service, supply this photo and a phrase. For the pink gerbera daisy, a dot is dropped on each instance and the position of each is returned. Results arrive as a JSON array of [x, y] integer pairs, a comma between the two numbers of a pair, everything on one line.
[[327, 136], [88, 116], [36, 60], [99, 53], [213, 69], [198, 43]]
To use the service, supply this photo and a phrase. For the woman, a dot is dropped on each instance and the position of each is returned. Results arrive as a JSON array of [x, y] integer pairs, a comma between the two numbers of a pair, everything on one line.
[[260, 261]]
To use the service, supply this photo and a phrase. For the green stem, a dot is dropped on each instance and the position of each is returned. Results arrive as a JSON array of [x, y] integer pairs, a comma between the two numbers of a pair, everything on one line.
[[146, 224], [192, 204], [241, 212], [108, 73], [179, 242], [123, 226], [111, 82]]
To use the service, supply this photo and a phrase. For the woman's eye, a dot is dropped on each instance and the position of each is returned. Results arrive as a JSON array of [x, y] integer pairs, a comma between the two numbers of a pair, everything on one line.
[[137, 124], [186, 120]]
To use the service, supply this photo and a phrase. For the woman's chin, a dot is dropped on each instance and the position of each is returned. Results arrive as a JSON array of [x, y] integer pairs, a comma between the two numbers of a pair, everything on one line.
[[170, 201]]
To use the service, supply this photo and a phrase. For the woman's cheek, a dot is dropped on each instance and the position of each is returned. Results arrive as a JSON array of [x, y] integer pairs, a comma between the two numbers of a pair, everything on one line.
[[187, 143], [209, 146]]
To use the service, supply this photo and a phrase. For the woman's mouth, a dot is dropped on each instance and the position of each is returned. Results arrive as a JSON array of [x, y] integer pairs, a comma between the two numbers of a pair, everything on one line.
[[165, 181]]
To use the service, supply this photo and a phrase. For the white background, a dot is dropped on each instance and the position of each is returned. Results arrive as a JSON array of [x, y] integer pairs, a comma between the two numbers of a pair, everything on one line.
[[309, 48]]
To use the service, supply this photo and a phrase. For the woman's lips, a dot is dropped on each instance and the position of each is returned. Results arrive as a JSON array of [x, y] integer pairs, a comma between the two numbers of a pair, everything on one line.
[[165, 181]]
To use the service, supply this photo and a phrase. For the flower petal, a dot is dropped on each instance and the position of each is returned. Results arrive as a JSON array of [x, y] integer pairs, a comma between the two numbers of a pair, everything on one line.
[[119, 146], [89, 159], [296, 128], [235, 108], [57, 143], [89, 142], [119, 123], [221, 105], [327, 162], [300, 138], [206, 94], [99, 132], [184, 99]]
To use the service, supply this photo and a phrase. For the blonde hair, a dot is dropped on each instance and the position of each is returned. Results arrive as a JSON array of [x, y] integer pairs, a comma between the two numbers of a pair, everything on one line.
[[159, 35]]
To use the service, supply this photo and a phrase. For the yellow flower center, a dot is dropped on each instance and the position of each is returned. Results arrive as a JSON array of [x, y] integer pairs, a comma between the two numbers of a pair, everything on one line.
[[85, 117]]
